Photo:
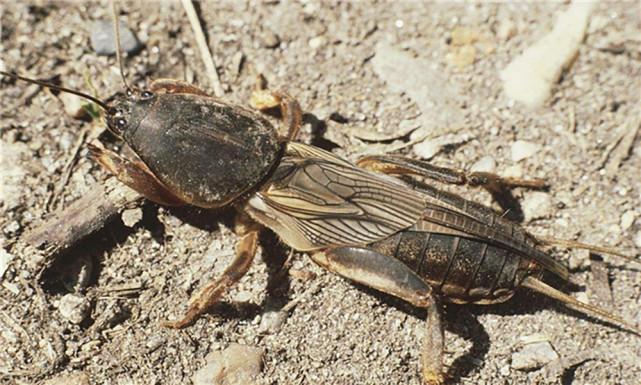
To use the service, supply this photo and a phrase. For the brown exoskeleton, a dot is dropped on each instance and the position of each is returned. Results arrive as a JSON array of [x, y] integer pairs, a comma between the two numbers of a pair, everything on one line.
[[414, 242]]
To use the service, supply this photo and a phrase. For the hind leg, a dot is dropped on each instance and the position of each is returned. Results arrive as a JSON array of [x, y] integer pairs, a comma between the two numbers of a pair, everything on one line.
[[391, 276], [390, 164]]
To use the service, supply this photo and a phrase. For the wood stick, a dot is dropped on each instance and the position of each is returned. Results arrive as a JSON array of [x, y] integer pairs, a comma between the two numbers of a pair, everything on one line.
[[66, 227]]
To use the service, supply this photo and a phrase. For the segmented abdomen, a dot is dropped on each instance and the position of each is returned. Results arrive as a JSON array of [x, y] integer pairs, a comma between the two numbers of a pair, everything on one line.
[[461, 269]]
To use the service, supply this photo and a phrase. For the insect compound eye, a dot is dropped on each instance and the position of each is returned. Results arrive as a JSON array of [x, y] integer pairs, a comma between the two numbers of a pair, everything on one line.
[[121, 123], [146, 95]]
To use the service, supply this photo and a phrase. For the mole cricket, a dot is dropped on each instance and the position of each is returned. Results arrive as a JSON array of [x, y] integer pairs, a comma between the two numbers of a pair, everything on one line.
[[374, 222]]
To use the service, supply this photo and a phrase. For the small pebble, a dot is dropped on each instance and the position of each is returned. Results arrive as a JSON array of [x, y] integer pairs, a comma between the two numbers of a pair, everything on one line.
[[582, 297], [427, 149], [236, 365], [536, 204], [506, 30], [74, 308], [637, 239], [131, 217], [103, 38], [272, 321], [534, 356], [485, 164], [243, 296], [627, 219], [78, 378], [514, 171], [316, 42], [464, 36], [12, 174], [73, 105], [522, 149], [463, 56], [270, 39], [12, 228], [5, 260], [154, 342]]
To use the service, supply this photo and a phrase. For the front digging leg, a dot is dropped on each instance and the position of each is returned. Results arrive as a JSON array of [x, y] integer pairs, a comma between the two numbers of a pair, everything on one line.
[[134, 174], [391, 276]]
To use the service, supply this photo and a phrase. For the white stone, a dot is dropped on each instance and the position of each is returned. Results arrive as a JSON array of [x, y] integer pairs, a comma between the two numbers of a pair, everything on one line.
[[271, 321], [506, 30], [131, 217], [316, 42], [5, 260], [73, 105], [534, 356], [637, 239], [427, 149], [529, 78], [236, 365], [627, 219], [76, 378], [522, 149], [485, 164], [436, 97], [74, 308], [12, 174], [536, 204]]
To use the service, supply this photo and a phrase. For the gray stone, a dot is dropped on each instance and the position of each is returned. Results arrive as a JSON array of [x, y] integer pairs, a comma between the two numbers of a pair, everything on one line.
[[103, 38]]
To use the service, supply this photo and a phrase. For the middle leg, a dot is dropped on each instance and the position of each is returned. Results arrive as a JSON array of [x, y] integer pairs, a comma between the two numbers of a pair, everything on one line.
[[211, 293], [264, 99]]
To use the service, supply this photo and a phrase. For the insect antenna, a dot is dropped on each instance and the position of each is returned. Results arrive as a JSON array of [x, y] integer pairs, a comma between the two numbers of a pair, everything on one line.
[[99, 102], [114, 12], [571, 302]]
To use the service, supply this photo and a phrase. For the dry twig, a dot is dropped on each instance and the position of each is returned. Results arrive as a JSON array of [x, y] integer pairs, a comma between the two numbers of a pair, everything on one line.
[[210, 66], [66, 227]]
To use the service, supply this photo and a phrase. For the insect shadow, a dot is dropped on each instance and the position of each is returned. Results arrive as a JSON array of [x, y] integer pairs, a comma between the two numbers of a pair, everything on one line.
[[274, 255], [64, 275], [458, 320]]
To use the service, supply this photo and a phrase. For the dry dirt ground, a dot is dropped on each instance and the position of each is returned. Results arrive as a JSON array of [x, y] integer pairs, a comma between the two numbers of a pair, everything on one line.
[[133, 278]]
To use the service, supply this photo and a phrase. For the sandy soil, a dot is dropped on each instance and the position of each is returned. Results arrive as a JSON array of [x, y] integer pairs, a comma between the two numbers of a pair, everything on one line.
[[340, 334]]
